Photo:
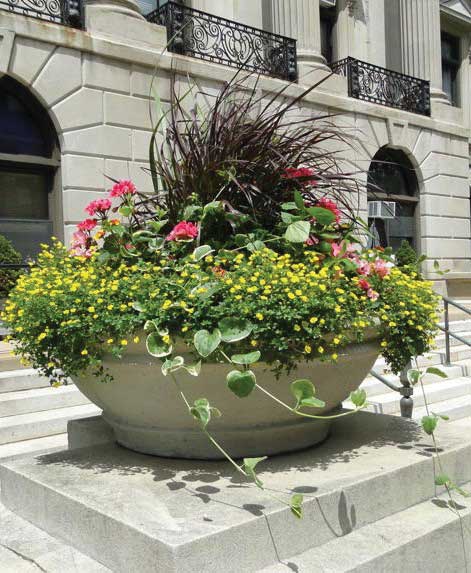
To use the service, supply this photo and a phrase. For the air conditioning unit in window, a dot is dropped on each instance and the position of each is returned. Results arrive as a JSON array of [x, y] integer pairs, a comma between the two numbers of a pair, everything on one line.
[[381, 209]]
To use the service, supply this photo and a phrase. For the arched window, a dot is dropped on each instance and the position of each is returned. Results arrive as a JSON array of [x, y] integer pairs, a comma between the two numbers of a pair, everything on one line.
[[392, 178], [28, 149]]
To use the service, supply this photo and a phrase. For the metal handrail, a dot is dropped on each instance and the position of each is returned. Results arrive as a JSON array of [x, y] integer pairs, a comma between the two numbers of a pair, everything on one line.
[[446, 329], [406, 403]]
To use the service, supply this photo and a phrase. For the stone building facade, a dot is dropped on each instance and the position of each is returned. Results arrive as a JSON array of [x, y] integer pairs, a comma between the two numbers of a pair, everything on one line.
[[77, 92]]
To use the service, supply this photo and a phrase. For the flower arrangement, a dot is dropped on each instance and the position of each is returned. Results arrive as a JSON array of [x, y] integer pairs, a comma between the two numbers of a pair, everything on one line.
[[242, 262]]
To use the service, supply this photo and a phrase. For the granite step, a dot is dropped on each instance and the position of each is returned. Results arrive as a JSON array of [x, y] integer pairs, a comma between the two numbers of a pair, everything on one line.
[[455, 408], [141, 513], [35, 446], [23, 427], [39, 400], [25, 379]]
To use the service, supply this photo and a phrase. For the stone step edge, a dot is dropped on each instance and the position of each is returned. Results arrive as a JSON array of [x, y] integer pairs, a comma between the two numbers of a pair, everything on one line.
[[403, 539], [18, 488]]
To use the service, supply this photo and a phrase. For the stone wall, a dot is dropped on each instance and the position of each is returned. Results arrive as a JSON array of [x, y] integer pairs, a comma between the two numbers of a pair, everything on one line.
[[98, 92]]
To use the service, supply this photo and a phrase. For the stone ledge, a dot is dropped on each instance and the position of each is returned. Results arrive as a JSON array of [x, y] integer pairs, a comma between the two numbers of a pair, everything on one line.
[[135, 512]]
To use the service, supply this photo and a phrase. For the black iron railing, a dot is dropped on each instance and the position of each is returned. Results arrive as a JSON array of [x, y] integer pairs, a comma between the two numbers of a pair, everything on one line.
[[446, 329], [67, 12], [195, 33], [384, 87]]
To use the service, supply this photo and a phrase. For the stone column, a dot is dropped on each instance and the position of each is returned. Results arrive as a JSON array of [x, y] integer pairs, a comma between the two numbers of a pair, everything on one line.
[[300, 19], [123, 19], [420, 43]]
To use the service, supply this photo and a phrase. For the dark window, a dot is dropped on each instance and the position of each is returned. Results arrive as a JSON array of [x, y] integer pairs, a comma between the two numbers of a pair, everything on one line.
[[25, 129], [391, 177], [451, 62], [327, 26]]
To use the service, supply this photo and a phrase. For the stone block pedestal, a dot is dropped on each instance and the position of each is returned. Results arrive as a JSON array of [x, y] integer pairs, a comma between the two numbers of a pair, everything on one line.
[[133, 512]]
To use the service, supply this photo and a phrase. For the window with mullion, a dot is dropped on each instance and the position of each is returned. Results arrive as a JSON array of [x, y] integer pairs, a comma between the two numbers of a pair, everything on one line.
[[451, 62]]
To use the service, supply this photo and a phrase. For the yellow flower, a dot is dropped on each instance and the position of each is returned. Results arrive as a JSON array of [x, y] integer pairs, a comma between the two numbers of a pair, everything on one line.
[[384, 343], [259, 316], [320, 349], [392, 324], [42, 336], [253, 343], [336, 340], [291, 295], [297, 328], [110, 341], [307, 349], [166, 339], [335, 356], [313, 319], [84, 352], [91, 309], [136, 340], [124, 342]]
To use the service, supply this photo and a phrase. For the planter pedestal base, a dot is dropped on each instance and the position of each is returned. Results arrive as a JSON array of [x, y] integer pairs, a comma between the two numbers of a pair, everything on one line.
[[133, 512]]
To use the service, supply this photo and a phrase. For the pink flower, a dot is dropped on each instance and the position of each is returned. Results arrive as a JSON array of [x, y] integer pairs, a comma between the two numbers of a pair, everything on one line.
[[330, 206], [123, 188], [336, 249], [381, 268], [87, 225], [183, 231], [312, 241], [364, 284], [80, 246], [304, 173], [364, 268], [372, 294], [98, 206]]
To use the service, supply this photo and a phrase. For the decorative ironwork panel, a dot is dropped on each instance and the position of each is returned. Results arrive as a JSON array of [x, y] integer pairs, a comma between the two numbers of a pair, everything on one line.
[[385, 87], [67, 12], [195, 33]]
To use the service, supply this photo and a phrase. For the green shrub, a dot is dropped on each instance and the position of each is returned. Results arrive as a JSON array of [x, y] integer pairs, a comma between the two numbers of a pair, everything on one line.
[[8, 277], [406, 258]]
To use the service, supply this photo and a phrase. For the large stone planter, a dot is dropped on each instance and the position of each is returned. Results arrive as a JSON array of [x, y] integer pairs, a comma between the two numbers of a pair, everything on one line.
[[148, 415]]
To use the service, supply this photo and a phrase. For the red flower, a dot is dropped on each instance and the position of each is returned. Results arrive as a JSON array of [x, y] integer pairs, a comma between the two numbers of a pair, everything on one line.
[[364, 284], [98, 206], [330, 206], [304, 173], [87, 225], [183, 231], [123, 188]]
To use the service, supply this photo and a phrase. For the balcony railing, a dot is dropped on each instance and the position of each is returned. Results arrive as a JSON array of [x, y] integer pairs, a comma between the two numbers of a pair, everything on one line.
[[66, 12], [384, 87], [195, 33]]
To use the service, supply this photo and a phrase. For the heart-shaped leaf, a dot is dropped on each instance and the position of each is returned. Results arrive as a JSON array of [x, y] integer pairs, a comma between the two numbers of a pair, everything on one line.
[[201, 411], [429, 424], [298, 232], [358, 398], [323, 216], [136, 305], [234, 329], [156, 346], [125, 210], [442, 479], [206, 342], [413, 376], [296, 505], [241, 383], [194, 369], [304, 392], [201, 252], [249, 468], [249, 358], [172, 365]]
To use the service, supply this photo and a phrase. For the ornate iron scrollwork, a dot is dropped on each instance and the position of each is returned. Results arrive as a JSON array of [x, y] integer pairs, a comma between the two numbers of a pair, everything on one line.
[[385, 87], [195, 33], [68, 12]]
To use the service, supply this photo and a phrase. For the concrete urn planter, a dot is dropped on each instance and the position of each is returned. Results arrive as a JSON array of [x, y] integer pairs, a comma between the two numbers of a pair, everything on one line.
[[148, 415]]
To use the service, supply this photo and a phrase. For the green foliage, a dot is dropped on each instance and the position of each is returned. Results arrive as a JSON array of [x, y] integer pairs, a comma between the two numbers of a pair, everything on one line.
[[304, 392], [241, 383], [8, 277]]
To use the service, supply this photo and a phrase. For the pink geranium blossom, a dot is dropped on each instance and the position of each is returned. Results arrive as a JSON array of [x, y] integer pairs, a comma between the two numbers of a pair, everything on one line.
[[372, 294], [98, 206], [87, 225], [364, 284], [330, 206], [123, 188], [80, 245], [364, 268], [381, 268], [311, 241], [183, 231], [305, 175]]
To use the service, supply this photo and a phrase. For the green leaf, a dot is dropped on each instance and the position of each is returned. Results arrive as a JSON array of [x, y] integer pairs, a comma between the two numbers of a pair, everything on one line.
[[201, 411], [210, 288], [305, 393], [254, 246], [125, 210], [289, 218], [138, 306], [413, 376], [461, 491], [193, 369], [299, 201], [241, 383], [290, 206], [156, 346], [322, 216], [358, 398], [206, 342], [190, 211], [441, 416], [436, 372], [429, 424], [296, 505], [249, 358], [234, 329], [298, 232], [249, 466], [442, 479], [201, 252], [150, 326], [172, 365], [157, 226]]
